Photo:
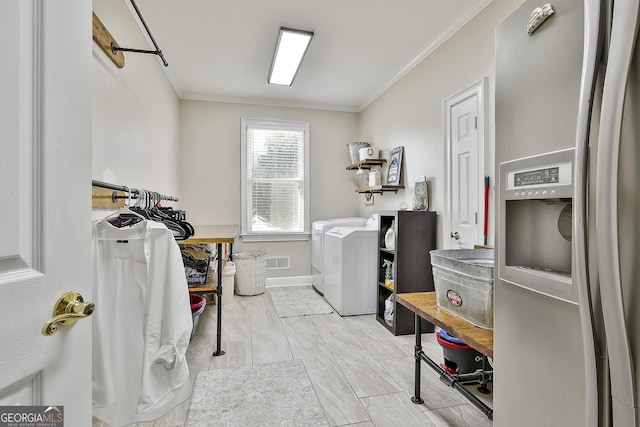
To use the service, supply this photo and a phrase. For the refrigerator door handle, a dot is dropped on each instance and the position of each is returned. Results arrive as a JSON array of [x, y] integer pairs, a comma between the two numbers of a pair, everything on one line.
[[622, 371], [590, 61]]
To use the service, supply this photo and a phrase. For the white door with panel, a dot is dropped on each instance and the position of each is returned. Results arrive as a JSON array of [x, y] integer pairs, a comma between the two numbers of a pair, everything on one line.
[[45, 167], [463, 121]]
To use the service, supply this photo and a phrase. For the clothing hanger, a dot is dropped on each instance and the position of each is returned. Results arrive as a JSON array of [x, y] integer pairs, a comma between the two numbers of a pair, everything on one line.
[[125, 216]]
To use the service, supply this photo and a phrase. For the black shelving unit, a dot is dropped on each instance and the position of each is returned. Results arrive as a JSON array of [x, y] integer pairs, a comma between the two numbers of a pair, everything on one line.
[[415, 236]]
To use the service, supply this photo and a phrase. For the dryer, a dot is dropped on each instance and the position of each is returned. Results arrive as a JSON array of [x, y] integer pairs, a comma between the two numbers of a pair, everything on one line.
[[350, 278], [318, 229]]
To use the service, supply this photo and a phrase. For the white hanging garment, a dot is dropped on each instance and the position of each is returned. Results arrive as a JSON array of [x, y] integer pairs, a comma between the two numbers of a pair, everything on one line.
[[141, 325]]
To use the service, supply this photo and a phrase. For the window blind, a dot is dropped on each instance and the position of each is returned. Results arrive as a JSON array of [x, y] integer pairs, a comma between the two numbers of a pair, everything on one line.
[[275, 179]]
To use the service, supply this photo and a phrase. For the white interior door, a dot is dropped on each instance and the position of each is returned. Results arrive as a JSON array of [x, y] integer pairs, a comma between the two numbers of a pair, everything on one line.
[[464, 125], [45, 167]]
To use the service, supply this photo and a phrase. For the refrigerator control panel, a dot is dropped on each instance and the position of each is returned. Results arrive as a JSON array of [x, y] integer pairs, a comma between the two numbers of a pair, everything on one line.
[[545, 176], [551, 175]]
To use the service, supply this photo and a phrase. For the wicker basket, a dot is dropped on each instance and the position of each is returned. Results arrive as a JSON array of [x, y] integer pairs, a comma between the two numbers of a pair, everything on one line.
[[251, 275]]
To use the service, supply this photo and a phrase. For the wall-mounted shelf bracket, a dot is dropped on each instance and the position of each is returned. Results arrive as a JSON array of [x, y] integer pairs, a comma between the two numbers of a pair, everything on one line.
[[380, 189], [105, 40], [115, 48], [367, 164], [107, 43]]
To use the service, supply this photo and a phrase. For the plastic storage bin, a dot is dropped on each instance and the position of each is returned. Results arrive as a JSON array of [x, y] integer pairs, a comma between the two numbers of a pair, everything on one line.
[[197, 307], [228, 273], [251, 275], [459, 358], [463, 281]]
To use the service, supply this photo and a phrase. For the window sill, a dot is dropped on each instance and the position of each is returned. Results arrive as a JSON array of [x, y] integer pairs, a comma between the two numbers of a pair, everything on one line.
[[280, 237]]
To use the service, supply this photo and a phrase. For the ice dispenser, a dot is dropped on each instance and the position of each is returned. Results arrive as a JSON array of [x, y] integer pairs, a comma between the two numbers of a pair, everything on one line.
[[536, 196]]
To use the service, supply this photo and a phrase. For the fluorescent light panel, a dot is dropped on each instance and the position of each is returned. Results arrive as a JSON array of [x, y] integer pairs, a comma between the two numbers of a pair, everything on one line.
[[291, 47]]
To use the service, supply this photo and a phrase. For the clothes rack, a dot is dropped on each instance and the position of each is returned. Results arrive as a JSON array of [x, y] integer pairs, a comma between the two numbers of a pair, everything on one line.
[[115, 48], [133, 193], [147, 205]]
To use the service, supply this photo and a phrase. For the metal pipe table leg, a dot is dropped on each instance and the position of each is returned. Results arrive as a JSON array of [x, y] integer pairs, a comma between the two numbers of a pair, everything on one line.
[[453, 381], [219, 351], [417, 354], [484, 381]]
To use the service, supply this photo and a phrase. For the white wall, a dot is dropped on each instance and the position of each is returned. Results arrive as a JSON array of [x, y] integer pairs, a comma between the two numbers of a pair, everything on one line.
[[410, 113], [144, 136], [136, 125], [210, 169]]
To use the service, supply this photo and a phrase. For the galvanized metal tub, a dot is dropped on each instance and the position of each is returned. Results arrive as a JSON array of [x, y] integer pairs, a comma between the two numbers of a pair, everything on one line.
[[463, 280]]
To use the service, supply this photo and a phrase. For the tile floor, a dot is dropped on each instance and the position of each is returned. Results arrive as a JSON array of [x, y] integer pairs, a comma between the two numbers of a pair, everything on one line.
[[362, 374]]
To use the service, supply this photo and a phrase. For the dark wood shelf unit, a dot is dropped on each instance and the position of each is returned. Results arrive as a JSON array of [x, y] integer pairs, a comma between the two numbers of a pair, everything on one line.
[[415, 236]]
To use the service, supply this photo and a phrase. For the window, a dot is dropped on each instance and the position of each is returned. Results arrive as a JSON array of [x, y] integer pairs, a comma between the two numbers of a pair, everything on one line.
[[275, 169]]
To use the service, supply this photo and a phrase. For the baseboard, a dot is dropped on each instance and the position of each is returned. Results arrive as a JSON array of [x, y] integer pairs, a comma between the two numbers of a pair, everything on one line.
[[288, 281]]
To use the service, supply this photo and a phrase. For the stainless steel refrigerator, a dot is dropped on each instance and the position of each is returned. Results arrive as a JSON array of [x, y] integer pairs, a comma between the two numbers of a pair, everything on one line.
[[567, 287]]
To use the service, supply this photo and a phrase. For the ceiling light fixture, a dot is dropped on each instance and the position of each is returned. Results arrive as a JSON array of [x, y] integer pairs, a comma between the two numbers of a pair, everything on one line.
[[291, 48]]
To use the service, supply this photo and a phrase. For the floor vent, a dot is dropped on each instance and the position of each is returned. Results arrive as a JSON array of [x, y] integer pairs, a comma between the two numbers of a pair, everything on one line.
[[278, 263]]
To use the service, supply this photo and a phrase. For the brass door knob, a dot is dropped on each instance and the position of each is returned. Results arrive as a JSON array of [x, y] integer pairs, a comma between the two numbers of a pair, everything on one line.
[[68, 309]]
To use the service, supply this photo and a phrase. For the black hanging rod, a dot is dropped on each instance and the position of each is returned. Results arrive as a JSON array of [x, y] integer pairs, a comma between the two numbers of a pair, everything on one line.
[[115, 49], [134, 192]]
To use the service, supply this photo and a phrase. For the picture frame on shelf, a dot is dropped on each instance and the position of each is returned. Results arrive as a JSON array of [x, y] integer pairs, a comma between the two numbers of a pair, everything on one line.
[[395, 166]]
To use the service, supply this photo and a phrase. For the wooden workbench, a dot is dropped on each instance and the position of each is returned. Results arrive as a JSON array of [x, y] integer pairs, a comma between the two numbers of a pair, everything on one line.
[[218, 235], [423, 304], [206, 234]]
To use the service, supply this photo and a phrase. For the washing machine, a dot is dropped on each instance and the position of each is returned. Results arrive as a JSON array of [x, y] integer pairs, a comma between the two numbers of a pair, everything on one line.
[[350, 277], [318, 228]]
